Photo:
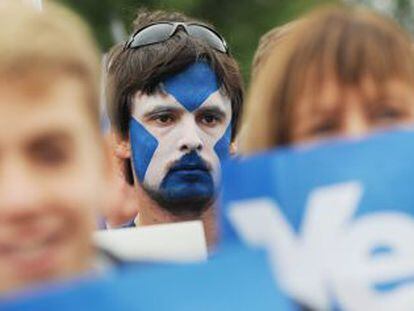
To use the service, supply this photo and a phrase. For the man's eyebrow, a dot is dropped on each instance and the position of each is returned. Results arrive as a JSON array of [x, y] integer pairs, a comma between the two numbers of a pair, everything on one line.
[[213, 110], [58, 136], [162, 109]]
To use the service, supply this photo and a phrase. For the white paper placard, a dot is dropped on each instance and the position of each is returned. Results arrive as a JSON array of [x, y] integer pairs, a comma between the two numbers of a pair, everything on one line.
[[175, 242]]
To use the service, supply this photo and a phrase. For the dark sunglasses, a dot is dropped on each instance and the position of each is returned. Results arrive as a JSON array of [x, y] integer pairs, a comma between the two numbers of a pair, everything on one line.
[[162, 31]]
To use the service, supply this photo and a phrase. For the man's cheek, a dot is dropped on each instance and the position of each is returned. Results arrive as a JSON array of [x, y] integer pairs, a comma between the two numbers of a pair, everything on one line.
[[158, 169], [217, 149], [222, 147], [143, 145]]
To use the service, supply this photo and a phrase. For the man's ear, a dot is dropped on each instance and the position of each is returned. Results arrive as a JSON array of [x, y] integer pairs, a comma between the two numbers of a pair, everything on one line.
[[122, 147], [233, 148]]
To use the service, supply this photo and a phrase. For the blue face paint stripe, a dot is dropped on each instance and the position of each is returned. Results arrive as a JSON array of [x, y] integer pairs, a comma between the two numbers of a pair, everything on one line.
[[192, 86], [143, 146], [223, 145], [180, 184]]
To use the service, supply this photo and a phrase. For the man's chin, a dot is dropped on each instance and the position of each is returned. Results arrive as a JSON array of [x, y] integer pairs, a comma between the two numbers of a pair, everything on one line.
[[182, 203]]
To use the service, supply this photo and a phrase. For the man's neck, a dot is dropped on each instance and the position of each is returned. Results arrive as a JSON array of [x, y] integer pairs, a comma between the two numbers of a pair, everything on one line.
[[150, 213]]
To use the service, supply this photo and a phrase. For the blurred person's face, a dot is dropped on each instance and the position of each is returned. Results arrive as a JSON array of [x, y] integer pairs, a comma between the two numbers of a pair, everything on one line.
[[351, 111], [51, 178], [178, 138]]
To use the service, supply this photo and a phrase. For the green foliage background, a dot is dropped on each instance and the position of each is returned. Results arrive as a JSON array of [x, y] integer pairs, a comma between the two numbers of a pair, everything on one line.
[[241, 22]]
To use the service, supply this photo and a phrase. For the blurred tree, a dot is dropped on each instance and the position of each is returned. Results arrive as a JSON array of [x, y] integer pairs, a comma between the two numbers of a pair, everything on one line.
[[241, 22]]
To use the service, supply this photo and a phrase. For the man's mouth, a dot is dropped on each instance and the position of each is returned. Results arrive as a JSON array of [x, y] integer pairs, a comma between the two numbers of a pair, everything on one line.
[[189, 167], [190, 162], [32, 256]]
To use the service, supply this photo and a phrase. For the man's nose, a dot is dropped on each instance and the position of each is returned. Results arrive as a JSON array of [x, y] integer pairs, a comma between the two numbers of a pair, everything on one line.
[[19, 190], [190, 137]]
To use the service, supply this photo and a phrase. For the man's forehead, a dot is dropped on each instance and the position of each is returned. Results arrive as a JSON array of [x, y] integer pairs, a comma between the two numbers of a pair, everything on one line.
[[192, 86], [146, 103], [60, 108]]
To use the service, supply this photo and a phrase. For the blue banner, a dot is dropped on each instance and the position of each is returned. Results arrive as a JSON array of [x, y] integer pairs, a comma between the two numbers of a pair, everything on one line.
[[336, 219], [235, 279]]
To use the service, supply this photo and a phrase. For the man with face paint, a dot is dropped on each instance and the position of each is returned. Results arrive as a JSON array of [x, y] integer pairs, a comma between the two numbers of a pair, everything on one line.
[[175, 97]]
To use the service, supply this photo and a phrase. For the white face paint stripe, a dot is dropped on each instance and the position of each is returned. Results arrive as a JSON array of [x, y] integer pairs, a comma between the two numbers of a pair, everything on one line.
[[169, 141]]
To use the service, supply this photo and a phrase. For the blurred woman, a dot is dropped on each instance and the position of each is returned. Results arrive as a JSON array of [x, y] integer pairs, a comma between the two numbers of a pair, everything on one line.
[[338, 71]]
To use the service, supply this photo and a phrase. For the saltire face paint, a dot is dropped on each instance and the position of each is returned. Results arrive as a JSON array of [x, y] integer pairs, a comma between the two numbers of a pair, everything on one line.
[[180, 136]]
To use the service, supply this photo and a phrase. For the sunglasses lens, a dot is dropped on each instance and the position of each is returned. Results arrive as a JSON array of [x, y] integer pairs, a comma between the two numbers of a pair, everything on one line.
[[208, 36], [162, 31], [152, 34]]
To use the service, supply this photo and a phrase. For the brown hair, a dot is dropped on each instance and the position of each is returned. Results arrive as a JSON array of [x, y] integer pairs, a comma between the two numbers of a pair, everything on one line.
[[347, 43], [142, 69], [53, 42]]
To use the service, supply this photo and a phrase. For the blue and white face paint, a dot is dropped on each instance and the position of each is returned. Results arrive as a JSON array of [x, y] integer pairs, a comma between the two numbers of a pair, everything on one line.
[[179, 137]]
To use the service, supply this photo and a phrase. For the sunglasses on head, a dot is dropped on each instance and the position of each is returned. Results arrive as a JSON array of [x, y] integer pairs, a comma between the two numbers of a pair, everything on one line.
[[162, 31]]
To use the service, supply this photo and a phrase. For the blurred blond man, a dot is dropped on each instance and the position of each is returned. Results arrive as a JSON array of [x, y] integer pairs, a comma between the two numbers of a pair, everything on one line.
[[53, 169]]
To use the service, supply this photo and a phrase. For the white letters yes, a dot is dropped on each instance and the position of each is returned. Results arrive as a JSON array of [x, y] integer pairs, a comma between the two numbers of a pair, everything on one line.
[[332, 257]]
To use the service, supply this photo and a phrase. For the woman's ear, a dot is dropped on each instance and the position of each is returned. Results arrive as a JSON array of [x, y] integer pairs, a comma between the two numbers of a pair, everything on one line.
[[121, 146]]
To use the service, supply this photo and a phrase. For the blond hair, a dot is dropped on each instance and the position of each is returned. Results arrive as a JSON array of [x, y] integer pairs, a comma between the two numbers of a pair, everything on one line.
[[51, 41], [267, 43], [348, 44]]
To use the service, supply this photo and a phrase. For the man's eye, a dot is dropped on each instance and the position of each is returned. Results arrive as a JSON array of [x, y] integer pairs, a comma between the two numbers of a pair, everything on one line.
[[164, 119], [50, 155], [210, 120]]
